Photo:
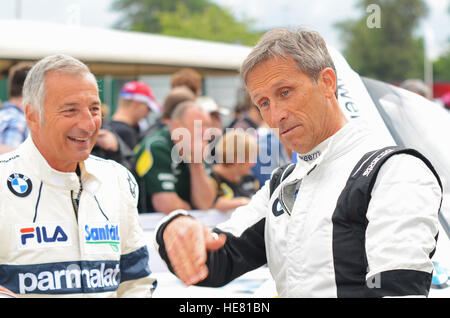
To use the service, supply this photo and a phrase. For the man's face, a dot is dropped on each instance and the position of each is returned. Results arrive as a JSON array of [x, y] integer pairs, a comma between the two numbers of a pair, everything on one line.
[[141, 110], [292, 102], [71, 120], [190, 133]]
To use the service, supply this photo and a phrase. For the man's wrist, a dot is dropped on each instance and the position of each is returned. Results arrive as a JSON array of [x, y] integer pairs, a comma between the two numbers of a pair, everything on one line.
[[164, 223]]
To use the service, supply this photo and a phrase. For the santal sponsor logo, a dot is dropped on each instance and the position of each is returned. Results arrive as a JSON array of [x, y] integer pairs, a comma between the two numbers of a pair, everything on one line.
[[40, 235], [103, 234], [69, 280]]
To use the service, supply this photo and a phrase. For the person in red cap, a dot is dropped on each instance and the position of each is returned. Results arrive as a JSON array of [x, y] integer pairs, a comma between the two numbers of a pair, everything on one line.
[[136, 99]]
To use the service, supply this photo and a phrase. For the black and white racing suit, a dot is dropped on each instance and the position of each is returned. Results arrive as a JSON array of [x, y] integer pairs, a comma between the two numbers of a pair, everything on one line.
[[297, 242]]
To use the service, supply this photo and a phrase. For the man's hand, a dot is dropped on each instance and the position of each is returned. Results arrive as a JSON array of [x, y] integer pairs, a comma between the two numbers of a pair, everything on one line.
[[107, 140], [187, 242]]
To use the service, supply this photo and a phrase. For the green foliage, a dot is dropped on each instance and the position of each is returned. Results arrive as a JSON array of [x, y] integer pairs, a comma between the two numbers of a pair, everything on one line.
[[213, 23], [441, 68], [140, 15], [199, 19], [391, 52]]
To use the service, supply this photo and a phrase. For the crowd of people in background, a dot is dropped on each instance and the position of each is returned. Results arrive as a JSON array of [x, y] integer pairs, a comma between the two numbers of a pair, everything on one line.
[[161, 160]]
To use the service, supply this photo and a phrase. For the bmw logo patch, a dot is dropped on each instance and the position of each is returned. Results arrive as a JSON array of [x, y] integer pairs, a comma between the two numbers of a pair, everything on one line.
[[19, 184]]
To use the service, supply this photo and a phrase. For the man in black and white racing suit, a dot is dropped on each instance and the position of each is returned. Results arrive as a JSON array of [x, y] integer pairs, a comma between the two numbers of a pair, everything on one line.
[[68, 222], [312, 231]]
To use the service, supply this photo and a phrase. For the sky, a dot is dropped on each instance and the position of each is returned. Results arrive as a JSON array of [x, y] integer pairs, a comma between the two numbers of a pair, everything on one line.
[[319, 15]]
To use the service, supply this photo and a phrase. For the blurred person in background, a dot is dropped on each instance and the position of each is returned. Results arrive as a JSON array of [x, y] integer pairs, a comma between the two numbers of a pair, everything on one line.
[[190, 78], [136, 100], [417, 86], [236, 153], [170, 163], [13, 124], [176, 95], [215, 110]]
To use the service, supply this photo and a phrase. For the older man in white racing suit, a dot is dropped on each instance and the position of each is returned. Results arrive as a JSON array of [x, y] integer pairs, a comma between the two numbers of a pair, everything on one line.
[[312, 231], [68, 221]]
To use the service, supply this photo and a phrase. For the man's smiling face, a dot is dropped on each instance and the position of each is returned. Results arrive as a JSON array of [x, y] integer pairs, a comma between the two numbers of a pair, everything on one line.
[[71, 119]]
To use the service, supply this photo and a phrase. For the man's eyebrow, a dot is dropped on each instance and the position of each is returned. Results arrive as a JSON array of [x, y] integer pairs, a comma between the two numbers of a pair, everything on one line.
[[276, 85], [71, 104], [95, 102]]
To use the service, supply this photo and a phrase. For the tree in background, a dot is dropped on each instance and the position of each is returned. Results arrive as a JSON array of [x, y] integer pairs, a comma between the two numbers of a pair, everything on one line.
[[199, 19], [441, 67], [390, 52], [141, 15]]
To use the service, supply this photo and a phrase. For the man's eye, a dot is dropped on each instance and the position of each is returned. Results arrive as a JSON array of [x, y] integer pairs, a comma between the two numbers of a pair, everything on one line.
[[284, 92], [264, 103]]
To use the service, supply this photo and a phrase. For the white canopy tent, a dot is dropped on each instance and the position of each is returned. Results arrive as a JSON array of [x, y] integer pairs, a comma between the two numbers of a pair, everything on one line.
[[114, 52]]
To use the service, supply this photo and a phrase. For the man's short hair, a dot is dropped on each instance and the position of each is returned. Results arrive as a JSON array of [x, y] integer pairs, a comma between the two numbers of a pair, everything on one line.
[[181, 108], [187, 77], [306, 47], [176, 95], [34, 86], [16, 78]]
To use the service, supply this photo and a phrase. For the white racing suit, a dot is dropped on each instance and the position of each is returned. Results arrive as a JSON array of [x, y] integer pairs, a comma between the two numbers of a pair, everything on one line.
[[68, 236], [297, 239]]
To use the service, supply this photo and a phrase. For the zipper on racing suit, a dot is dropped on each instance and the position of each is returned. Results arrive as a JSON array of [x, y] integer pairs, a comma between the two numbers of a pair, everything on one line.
[[76, 200]]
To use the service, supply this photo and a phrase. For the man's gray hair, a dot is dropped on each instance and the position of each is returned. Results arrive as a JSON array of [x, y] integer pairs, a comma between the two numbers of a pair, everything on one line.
[[306, 47], [34, 86], [181, 108]]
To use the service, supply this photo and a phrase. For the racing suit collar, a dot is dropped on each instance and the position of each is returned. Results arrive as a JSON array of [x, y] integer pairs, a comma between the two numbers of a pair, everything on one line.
[[67, 180], [330, 149], [334, 146]]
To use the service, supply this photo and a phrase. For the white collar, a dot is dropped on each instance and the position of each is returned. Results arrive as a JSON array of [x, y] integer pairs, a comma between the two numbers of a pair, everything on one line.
[[90, 174]]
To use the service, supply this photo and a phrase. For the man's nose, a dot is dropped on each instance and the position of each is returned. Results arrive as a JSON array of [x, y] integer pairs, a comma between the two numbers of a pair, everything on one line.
[[87, 121], [277, 113]]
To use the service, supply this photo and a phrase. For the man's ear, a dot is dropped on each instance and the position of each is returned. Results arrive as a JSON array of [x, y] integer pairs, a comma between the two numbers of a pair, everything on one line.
[[32, 116], [327, 79]]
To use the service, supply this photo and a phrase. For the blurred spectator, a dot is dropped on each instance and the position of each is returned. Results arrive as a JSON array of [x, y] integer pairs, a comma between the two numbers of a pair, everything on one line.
[[190, 78], [13, 124], [417, 86], [215, 111], [446, 100], [167, 159], [236, 154], [176, 95], [136, 99]]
